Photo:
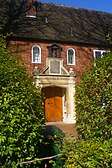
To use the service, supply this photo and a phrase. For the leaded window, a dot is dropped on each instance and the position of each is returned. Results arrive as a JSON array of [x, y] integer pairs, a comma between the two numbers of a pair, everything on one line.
[[71, 56], [36, 54]]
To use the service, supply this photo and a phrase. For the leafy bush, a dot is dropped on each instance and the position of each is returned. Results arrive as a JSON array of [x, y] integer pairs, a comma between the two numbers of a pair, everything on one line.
[[93, 148], [87, 154], [21, 112], [94, 101]]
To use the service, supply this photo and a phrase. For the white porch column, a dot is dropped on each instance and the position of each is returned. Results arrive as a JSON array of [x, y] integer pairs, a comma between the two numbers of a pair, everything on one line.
[[71, 117]]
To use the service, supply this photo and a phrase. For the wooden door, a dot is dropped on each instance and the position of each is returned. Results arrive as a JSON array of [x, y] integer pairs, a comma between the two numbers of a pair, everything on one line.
[[53, 104]]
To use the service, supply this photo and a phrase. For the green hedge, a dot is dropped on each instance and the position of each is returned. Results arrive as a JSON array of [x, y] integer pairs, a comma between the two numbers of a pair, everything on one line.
[[88, 154], [94, 101], [21, 112], [93, 148]]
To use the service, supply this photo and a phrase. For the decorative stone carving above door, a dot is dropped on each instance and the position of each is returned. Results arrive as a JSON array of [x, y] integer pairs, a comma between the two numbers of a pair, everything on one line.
[[54, 66]]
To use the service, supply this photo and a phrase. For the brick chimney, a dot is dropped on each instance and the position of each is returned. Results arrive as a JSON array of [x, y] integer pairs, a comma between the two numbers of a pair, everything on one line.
[[35, 6], [30, 1], [32, 11]]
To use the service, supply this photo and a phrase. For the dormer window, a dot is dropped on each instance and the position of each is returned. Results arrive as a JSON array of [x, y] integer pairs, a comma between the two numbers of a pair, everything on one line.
[[54, 51], [71, 56], [36, 54]]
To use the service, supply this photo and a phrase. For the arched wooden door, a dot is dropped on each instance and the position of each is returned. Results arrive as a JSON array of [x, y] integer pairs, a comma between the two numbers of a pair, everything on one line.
[[53, 103]]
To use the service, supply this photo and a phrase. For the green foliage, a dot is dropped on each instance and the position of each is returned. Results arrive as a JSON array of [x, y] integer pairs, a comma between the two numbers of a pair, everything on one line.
[[87, 154], [21, 112], [94, 101], [93, 148]]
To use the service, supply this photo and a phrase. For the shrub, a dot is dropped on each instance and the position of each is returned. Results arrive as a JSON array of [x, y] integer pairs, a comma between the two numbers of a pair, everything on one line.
[[94, 101], [93, 148], [87, 154], [21, 112]]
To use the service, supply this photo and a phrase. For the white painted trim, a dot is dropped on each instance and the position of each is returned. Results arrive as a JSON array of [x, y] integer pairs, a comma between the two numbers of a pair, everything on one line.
[[74, 61], [102, 51], [39, 62], [30, 16], [66, 83]]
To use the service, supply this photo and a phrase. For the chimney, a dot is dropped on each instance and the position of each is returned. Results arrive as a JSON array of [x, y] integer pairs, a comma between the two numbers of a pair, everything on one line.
[[32, 11], [30, 1], [35, 6]]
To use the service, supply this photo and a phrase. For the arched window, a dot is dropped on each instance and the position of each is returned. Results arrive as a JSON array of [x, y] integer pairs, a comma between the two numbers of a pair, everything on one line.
[[36, 54], [71, 56]]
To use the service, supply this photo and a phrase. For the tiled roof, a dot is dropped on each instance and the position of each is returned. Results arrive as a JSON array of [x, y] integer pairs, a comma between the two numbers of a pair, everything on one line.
[[61, 23]]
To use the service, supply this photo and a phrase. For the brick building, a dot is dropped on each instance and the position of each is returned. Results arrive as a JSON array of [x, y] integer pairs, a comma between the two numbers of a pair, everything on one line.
[[57, 44]]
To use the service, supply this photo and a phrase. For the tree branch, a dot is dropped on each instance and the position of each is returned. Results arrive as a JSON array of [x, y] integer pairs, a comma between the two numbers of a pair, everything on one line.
[[39, 159]]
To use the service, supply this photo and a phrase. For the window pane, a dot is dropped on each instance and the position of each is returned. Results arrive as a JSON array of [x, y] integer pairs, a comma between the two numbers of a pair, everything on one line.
[[36, 54], [70, 52], [98, 54], [70, 59], [70, 56]]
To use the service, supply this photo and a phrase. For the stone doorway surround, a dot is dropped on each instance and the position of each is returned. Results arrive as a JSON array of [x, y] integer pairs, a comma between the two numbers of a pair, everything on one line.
[[55, 75]]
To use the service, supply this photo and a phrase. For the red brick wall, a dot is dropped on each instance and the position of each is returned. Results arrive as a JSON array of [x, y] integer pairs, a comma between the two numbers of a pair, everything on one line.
[[84, 56]]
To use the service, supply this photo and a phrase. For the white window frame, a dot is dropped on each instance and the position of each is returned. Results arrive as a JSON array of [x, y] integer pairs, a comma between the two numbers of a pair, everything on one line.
[[102, 51], [73, 56], [30, 16], [39, 54]]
